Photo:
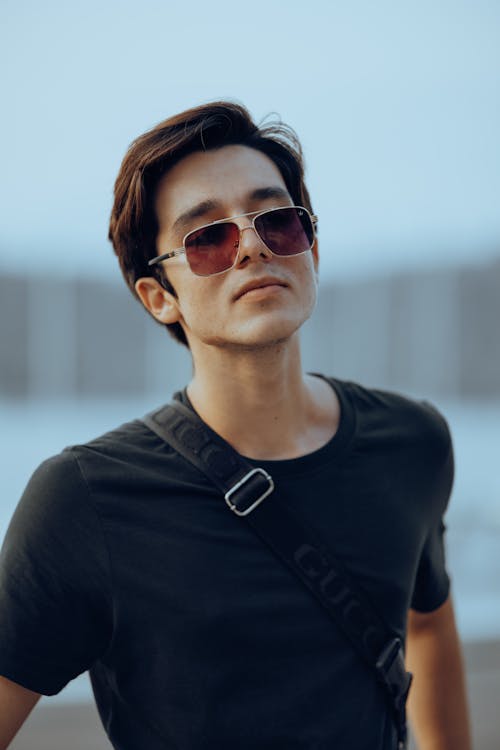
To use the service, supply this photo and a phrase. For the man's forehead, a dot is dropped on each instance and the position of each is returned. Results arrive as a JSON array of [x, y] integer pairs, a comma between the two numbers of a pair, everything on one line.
[[209, 181]]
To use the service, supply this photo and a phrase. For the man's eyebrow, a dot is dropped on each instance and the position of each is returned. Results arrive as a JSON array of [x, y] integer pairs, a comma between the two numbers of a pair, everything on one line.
[[195, 213], [273, 191], [204, 207]]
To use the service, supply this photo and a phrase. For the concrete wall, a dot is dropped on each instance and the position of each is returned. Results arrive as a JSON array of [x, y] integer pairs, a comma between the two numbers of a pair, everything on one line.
[[431, 333], [349, 333], [479, 326], [14, 328], [402, 332], [63, 337]]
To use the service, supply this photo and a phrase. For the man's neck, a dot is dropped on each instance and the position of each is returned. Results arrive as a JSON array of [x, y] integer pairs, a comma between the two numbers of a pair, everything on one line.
[[262, 403]]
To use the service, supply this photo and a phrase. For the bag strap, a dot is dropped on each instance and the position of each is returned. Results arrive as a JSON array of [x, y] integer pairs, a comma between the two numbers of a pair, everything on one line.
[[244, 488]]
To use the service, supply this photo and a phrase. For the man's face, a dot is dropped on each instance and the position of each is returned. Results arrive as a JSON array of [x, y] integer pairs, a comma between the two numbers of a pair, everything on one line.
[[217, 184]]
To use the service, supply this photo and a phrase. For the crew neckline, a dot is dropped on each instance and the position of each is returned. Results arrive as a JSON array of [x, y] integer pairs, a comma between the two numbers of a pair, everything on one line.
[[331, 450]]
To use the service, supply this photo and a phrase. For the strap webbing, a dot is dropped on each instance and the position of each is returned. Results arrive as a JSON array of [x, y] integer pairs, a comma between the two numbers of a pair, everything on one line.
[[245, 488]]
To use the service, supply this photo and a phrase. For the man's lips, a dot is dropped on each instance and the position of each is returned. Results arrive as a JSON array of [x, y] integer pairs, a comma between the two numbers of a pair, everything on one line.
[[259, 284]]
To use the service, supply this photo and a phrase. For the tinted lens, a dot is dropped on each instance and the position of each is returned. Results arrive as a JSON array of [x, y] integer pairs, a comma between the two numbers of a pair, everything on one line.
[[286, 231], [212, 249]]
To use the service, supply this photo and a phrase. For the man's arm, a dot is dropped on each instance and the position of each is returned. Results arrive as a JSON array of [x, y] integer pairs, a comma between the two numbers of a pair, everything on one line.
[[16, 702], [437, 703]]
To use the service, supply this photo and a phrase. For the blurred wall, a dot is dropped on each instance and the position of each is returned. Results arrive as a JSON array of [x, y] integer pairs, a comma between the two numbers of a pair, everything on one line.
[[430, 332], [433, 332]]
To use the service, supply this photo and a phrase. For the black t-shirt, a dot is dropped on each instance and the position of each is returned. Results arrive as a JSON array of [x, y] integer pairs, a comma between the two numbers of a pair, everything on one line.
[[123, 559]]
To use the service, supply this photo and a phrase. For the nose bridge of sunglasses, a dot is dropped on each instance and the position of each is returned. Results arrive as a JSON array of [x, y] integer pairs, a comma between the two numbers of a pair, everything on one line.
[[256, 234]]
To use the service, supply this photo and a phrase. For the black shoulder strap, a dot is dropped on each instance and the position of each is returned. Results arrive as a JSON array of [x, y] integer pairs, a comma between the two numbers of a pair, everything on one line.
[[244, 488]]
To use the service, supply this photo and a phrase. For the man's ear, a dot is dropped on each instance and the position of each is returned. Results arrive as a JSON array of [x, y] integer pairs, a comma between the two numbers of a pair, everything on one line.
[[161, 304]]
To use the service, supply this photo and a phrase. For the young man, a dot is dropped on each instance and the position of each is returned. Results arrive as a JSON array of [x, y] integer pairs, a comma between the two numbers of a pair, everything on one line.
[[123, 558]]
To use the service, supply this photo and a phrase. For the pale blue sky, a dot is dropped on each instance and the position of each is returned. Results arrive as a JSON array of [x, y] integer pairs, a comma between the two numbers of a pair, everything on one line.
[[397, 105]]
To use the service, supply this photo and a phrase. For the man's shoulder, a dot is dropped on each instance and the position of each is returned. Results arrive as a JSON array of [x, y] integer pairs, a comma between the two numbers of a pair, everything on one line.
[[393, 414], [122, 449], [128, 436], [119, 450]]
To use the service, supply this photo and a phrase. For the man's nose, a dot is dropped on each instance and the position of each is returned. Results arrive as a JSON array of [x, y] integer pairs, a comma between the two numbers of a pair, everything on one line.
[[251, 246]]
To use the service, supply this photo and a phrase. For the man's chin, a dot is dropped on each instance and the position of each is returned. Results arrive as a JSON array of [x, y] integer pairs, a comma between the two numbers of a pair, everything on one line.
[[257, 340]]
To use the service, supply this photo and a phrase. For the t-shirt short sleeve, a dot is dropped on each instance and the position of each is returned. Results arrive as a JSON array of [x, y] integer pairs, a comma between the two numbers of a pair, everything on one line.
[[55, 611], [432, 583]]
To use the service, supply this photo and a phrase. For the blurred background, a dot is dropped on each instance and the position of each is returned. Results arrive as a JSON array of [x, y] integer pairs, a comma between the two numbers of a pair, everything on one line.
[[397, 105]]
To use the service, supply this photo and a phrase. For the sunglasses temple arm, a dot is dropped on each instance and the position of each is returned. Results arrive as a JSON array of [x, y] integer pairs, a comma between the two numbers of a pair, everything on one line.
[[166, 256]]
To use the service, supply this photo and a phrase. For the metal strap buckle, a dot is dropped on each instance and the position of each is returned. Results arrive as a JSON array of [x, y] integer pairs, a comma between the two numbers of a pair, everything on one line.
[[391, 669], [230, 493]]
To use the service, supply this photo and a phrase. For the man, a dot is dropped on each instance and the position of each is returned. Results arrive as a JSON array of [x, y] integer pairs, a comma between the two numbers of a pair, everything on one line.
[[124, 559]]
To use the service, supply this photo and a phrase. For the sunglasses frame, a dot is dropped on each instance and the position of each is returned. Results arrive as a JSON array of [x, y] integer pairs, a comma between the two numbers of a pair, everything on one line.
[[230, 220]]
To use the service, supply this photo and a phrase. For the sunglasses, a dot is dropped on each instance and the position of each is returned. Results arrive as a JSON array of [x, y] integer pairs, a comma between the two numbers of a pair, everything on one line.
[[213, 248]]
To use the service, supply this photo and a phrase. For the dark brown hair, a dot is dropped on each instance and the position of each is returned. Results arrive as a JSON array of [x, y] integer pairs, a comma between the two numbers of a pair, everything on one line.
[[133, 225]]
